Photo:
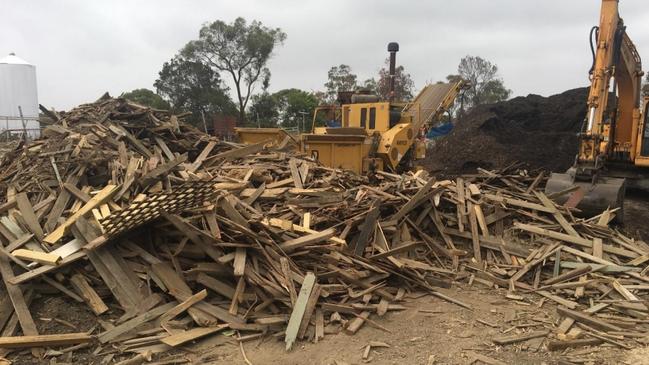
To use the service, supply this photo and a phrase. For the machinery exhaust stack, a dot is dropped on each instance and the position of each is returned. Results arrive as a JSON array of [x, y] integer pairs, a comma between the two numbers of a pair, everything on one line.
[[393, 48]]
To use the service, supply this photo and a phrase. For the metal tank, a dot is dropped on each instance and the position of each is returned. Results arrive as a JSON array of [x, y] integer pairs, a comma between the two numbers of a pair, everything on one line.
[[18, 99]]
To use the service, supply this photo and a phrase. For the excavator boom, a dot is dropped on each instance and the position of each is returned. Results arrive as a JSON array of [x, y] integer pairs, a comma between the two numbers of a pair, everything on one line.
[[610, 134]]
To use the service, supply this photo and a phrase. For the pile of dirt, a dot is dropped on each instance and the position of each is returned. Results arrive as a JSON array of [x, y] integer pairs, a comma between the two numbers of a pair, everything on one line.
[[538, 131]]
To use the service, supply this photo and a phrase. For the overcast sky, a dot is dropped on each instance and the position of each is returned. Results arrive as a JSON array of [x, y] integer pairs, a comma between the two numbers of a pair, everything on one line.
[[82, 48]]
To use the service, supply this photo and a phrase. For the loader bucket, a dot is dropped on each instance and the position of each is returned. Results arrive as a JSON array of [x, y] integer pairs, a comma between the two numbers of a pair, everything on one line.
[[607, 192]]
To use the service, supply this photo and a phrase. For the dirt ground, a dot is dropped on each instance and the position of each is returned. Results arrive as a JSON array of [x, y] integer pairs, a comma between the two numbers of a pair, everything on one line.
[[429, 329]]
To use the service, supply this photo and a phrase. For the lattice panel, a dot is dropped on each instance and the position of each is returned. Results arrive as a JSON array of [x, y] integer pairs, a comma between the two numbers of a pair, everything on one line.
[[185, 196]]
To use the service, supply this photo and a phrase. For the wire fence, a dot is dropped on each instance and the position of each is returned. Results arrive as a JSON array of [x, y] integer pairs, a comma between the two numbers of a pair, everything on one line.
[[17, 128]]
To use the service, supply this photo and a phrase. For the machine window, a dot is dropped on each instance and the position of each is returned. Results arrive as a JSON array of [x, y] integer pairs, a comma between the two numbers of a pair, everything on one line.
[[372, 118], [363, 117]]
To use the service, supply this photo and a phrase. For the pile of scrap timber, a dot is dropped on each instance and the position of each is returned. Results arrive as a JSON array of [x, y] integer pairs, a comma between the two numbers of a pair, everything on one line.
[[170, 236]]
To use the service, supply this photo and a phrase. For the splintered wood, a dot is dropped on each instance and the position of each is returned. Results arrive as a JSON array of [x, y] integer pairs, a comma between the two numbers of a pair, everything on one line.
[[130, 210]]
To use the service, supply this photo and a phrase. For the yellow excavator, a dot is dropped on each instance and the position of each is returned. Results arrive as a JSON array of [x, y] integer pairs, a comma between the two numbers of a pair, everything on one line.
[[370, 134], [614, 142]]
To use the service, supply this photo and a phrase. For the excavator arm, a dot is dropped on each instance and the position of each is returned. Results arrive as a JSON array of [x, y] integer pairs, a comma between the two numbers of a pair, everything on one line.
[[611, 130], [610, 134]]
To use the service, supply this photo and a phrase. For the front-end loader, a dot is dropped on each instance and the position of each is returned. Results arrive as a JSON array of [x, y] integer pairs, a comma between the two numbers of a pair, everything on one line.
[[614, 142]]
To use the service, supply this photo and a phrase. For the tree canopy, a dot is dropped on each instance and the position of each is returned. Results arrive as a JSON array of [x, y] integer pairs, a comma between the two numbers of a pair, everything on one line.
[[192, 86], [403, 84], [238, 49], [264, 111], [339, 78], [486, 86], [287, 108], [146, 97]]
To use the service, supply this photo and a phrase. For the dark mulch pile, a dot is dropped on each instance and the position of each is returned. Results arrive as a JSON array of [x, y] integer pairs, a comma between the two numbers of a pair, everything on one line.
[[537, 131]]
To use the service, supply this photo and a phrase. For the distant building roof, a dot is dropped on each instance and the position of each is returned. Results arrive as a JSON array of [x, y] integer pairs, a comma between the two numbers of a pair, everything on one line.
[[12, 59]]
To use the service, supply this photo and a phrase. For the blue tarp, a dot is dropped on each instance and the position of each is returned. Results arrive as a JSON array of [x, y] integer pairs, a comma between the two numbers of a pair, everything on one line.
[[440, 131]]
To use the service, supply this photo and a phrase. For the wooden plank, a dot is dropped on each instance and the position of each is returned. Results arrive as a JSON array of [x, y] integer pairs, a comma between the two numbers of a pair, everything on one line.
[[239, 264], [562, 345], [290, 286], [310, 239], [45, 340], [519, 203], [88, 294], [96, 201], [186, 304], [557, 215], [27, 212], [232, 213], [368, 228], [202, 156], [598, 247], [535, 183], [319, 325], [355, 324], [415, 200], [112, 268], [565, 302], [20, 305], [461, 205], [508, 340], [19, 242], [295, 174], [35, 256], [298, 311], [202, 312], [162, 170], [568, 275], [308, 311], [588, 319], [236, 298], [77, 193], [61, 202], [484, 359], [29, 275], [216, 285], [473, 223], [192, 334], [482, 223], [404, 247], [236, 153], [134, 322], [572, 239]]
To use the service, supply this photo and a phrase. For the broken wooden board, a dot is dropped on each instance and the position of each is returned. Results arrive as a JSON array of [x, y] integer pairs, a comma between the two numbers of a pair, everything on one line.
[[298, 310]]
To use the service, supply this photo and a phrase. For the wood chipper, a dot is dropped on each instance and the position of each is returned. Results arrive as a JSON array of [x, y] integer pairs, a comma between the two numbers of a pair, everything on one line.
[[381, 135]]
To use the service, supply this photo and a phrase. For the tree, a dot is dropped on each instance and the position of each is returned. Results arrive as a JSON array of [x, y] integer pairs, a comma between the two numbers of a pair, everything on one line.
[[486, 86], [340, 78], [146, 97], [195, 87], [370, 86], [296, 108], [240, 49], [288, 108], [264, 111], [403, 84]]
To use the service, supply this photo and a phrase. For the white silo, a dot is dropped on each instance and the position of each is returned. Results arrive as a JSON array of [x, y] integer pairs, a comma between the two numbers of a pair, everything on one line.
[[18, 96]]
